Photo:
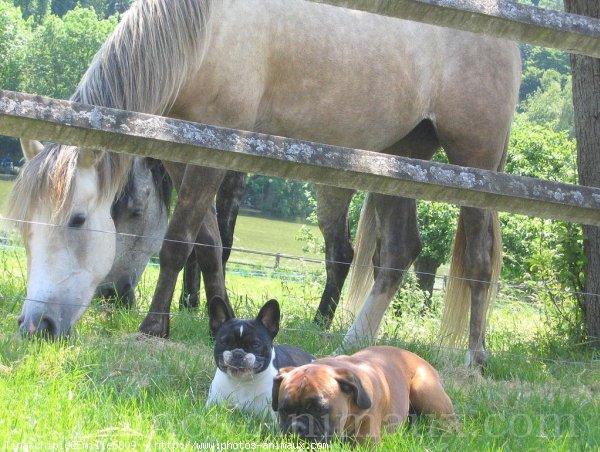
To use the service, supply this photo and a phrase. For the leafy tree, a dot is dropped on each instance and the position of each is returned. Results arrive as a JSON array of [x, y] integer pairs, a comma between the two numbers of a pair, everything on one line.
[[437, 225], [15, 35], [537, 60], [534, 151], [37, 9], [280, 197], [544, 254], [62, 49], [551, 105], [103, 8]]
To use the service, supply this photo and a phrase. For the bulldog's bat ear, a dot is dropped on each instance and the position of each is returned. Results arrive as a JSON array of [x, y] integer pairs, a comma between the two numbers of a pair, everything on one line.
[[351, 384], [277, 379], [219, 312], [269, 316]]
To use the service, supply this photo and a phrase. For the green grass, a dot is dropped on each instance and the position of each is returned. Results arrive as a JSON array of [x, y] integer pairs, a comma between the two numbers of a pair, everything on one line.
[[259, 233], [107, 385]]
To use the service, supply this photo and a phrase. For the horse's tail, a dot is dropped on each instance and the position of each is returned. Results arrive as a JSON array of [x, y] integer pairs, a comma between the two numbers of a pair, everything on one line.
[[361, 275]]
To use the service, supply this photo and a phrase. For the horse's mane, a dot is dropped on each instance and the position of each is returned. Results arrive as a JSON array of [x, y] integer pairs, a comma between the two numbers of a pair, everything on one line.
[[141, 67]]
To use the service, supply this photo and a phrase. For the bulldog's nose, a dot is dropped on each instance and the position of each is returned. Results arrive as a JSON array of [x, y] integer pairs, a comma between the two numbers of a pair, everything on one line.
[[238, 354]]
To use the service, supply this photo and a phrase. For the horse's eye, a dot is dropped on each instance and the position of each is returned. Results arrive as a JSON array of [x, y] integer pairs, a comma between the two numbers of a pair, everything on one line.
[[77, 221]]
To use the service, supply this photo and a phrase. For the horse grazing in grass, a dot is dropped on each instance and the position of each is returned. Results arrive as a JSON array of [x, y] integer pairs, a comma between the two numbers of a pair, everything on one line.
[[140, 214], [281, 67]]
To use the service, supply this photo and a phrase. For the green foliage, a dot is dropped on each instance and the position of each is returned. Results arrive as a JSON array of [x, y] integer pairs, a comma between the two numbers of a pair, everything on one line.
[[103, 8], [410, 300], [437, 225], [62, 49], [536, 61], [547, 254], [535, 151], [36, 9], [551, 105], [15, 35], [280, 197], [545, 97]]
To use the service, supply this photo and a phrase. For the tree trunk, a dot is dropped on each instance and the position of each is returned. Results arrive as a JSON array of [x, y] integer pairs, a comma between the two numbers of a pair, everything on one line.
[[586, 100]]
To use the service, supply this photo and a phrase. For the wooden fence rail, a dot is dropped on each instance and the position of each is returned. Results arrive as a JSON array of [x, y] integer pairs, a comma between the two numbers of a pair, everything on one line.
[[500, 18], [182, 141]]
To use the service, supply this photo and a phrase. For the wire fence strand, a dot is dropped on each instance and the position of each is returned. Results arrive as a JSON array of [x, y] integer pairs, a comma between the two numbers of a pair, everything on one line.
[[533, 285], [8, 243]]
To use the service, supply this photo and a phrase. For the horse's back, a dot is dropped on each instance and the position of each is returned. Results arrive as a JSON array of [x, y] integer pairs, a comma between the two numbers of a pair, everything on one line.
[[350, 78]]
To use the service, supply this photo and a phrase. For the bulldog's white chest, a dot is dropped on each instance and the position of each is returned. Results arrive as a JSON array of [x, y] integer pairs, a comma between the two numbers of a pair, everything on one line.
[[252, 393]]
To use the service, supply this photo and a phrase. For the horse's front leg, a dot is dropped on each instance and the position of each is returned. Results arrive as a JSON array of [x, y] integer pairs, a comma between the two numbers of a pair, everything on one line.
[[332, 211], [398, 246], [196, 195]]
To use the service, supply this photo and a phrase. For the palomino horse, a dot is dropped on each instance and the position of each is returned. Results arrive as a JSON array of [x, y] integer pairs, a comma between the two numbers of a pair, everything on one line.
[[281, 67]]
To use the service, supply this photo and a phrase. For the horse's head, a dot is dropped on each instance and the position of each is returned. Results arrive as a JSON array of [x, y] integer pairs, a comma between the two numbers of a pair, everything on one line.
[[63, 197], [140, 214]]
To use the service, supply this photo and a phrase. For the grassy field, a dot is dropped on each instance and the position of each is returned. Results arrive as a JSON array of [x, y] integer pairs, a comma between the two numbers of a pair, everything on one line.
[[107, 386]]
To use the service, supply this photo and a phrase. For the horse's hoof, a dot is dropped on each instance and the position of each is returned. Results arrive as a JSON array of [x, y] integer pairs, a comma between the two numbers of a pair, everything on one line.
[[476, 359], [322, 321], [153, 326]]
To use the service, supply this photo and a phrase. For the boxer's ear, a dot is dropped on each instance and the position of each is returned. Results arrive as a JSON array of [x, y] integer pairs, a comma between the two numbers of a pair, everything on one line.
[[277, 379], [269, 316], [219, 312], [351, 384]]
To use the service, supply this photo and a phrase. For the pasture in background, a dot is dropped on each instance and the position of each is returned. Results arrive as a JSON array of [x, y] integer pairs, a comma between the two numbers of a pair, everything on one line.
[[107, 384]]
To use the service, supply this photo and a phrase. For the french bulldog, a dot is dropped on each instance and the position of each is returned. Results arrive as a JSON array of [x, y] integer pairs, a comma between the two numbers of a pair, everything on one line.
[[247, 361]]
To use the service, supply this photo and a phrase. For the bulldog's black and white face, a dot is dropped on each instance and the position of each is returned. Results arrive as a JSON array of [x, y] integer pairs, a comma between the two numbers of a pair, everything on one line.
[[243, 347]]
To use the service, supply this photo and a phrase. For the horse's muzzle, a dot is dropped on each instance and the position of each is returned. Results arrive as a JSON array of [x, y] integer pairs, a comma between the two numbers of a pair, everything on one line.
[[39, 325]]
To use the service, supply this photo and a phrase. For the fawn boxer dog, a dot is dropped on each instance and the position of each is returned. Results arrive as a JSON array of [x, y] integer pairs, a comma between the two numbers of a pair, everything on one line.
[[357, 396]]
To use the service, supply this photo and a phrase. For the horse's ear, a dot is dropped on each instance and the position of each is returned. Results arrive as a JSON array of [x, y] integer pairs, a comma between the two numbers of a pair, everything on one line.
[[88, 158], [31, 148]]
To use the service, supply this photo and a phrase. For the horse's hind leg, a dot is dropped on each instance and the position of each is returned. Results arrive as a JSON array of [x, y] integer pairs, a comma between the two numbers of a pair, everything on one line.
[[189, 298], [332, 211], [209, 257], [192, 205], [399, 245], [479, 235], [229, 198]]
